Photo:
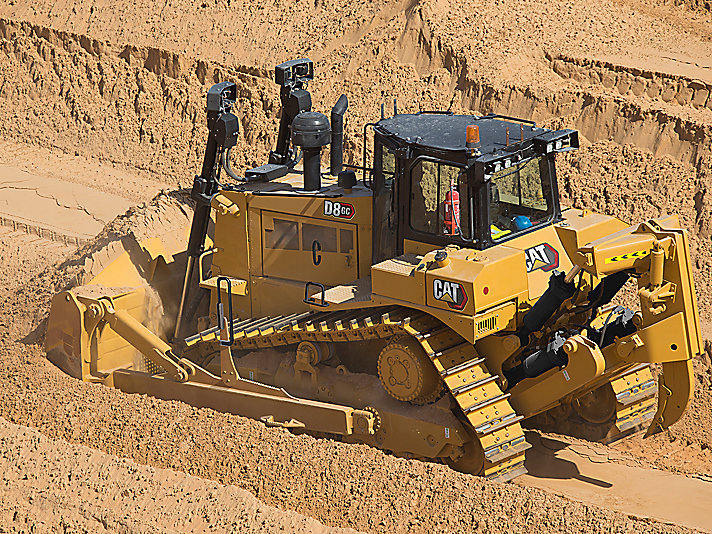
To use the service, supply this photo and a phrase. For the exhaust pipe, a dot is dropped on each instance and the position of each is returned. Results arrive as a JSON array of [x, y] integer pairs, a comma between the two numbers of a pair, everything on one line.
[[337, 134]]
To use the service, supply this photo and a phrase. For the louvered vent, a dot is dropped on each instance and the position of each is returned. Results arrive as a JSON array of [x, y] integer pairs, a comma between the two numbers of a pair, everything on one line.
[[486, 325]]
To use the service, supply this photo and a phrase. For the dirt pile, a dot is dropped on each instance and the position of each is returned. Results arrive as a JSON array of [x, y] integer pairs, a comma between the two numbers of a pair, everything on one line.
[[163, 217], [55, 208], [141, 103], [125, 182], [130, 105], [51, 485]]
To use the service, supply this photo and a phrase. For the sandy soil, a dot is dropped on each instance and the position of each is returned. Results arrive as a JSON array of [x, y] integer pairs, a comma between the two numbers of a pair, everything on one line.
[[599, 475], [51, 485], [109, 96], [95, 174], [72, 211]]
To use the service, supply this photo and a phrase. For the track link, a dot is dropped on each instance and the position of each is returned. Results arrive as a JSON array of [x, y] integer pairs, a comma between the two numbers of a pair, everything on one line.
[[633, 403], [339, 326], [487, 409], [485, 406], [636, 401]]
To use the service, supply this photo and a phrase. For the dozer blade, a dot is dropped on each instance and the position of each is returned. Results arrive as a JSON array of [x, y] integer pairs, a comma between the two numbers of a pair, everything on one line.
[[138, 279], [102, 339], [78, 347]]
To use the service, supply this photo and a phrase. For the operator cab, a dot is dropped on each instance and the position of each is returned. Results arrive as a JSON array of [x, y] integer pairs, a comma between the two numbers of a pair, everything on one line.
[[441, 179]]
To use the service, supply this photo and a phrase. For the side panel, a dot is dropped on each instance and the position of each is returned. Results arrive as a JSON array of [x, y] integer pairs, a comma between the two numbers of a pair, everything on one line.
[[473, 281], [236, 250], [276, 296], [308, 249], [278, 242], [543, 252]]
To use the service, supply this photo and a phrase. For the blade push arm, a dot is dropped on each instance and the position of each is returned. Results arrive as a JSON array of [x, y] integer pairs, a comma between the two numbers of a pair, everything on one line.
[[142, 339]]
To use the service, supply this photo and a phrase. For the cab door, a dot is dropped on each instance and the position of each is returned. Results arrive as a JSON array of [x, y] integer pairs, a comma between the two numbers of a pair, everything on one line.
[[387, 168]]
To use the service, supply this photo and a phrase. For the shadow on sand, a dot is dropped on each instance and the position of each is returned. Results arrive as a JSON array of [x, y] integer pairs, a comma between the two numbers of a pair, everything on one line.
[[542, 461]]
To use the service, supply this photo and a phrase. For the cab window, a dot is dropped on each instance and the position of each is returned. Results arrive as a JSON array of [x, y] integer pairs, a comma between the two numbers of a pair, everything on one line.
[[440, 200], [520, 197], [388, 166]]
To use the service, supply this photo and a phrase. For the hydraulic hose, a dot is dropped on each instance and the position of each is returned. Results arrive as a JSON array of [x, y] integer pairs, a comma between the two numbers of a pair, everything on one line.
[[225, 162]]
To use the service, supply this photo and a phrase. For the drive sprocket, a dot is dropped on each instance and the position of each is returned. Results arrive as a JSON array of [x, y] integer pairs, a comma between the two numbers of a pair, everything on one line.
[[406, 372]]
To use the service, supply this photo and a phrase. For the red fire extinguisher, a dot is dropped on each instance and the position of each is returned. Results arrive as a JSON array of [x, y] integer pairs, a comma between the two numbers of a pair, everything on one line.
[[452, 211]]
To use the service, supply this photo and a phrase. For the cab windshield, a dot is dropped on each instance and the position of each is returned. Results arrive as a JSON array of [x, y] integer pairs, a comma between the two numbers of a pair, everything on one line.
[[520, 197]]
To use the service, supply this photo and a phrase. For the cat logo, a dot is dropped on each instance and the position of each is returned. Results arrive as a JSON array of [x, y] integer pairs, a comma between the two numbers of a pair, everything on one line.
[[544, 257], [342, 210], [451, 292]]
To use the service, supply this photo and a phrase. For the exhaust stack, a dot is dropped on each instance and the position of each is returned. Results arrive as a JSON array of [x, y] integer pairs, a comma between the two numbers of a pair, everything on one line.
[[337, 134]]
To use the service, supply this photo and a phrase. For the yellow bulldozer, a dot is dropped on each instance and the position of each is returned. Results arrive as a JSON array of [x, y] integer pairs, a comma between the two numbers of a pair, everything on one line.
[[428, 308]]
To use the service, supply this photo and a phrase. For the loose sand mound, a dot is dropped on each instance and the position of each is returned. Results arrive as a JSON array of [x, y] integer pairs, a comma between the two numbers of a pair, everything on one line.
[[50, 485], [163, 217]]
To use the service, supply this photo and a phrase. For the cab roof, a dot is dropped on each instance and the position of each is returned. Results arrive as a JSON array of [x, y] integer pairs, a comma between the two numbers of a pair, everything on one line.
[[446, 131]]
